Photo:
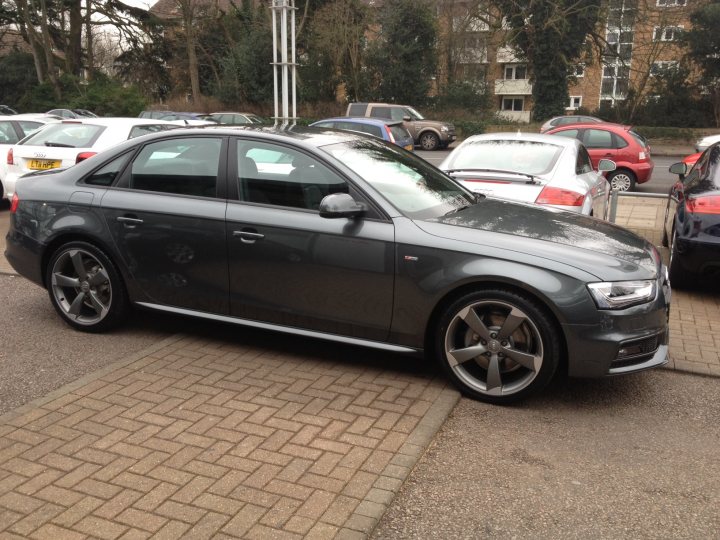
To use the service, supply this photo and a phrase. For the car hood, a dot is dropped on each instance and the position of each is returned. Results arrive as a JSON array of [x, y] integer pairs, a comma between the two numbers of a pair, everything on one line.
[[597, 247]]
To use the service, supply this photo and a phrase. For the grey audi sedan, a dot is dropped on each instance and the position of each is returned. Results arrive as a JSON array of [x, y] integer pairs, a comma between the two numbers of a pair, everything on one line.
[[345, 238]]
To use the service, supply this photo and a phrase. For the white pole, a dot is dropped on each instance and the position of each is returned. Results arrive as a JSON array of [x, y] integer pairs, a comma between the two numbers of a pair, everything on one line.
[[294, 63], [274, 62], [284, 57]]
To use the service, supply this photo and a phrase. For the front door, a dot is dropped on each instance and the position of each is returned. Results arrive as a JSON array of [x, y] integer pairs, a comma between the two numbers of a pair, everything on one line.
[[167, 220], [290, 266]]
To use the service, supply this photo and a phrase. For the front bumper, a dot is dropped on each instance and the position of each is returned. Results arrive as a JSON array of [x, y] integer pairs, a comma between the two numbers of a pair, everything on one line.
[[623, 341]]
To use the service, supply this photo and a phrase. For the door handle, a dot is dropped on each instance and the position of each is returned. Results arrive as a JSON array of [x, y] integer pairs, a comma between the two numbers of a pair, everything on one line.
[[129, 222], [248, 237]]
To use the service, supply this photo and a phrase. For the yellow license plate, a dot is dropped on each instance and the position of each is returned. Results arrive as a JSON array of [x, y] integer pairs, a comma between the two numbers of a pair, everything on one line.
[[43, 164]]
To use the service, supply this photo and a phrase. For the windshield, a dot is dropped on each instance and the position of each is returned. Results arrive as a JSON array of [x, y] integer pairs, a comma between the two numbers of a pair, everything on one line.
[[66, 135], [412, 113], [526, 157], [412, 185]]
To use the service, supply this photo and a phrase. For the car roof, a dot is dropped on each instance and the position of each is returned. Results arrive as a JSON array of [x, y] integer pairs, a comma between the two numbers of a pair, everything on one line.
[[39, 117], [362, 120], [235, 112], [594, 125], [115, 121], [520, 136]]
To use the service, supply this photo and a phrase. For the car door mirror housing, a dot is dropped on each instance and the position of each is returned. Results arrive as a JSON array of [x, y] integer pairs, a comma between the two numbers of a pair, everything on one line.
[[341, 205], [606, 165], [407, 118], [679, 168]]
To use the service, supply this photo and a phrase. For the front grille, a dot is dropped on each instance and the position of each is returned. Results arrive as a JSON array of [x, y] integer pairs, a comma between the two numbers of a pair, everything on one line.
[[637, 351]]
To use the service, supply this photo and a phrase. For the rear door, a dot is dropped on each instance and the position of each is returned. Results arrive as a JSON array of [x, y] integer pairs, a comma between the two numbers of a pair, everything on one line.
[[166, 216]]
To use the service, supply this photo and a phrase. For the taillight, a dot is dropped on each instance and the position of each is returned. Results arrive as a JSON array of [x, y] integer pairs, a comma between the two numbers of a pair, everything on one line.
[[642, 156], [10, 160], [82, 156], [560, 197], [14, 203], [390, 135], [704, 205]]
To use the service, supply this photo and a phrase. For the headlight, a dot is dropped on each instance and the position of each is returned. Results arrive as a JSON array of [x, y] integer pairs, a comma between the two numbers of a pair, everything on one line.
[[621, 294], [444, 128]]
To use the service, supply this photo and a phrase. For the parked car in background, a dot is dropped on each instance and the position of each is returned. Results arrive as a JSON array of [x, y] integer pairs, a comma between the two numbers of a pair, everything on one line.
[[5, 110], [428, 134], [187, 119], [532, 168], [237, 118], [358, 243], [72, 113], [387, 130], [692, 220], [704, 142], [559, 121], [12, 130], [68, 142], [153, 114], [626, 147]]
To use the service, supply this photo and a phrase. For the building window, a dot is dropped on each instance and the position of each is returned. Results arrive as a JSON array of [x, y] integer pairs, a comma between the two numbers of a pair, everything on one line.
[[474, 49], [575, 102], [671, 3], [668, 33], [518, 71], [659, 68], [577, 71], [512, 104]]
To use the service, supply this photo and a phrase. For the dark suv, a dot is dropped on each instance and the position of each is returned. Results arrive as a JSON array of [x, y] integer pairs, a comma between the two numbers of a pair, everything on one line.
[[429, 134]]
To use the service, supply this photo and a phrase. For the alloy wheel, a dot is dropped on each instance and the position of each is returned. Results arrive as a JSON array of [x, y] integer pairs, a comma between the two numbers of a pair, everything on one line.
[[621, 182], [494, 348], [81, 287]]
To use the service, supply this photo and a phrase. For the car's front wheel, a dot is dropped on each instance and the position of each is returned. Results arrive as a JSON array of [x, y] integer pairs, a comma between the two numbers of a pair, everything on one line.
[[85, 287], [622, 180], [429, 141], [497, 345]]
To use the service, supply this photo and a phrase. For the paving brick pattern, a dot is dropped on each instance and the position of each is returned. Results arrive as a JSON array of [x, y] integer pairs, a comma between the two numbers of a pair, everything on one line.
[[200, 439]]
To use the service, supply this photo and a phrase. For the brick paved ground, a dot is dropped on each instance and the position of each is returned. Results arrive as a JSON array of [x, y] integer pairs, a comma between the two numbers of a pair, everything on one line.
[[203, 438]]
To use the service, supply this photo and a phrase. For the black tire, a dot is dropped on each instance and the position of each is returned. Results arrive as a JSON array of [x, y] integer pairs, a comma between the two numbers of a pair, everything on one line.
[[86, 288], [622, 180], [679, 277], [429, 141], [494, 374]]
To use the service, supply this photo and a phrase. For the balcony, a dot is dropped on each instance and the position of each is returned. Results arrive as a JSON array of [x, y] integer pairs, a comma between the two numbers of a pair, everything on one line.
[[513, 87]]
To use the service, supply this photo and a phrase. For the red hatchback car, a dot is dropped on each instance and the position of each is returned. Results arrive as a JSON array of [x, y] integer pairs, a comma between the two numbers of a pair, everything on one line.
[[627, 148]]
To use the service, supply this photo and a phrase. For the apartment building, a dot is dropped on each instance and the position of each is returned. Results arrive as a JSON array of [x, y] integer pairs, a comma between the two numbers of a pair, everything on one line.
[[639, 39]]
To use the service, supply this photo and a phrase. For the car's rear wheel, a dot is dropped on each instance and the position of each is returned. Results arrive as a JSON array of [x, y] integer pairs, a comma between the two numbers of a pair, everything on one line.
[[497, 346], [429, 141], [622, 180], [85, 287]]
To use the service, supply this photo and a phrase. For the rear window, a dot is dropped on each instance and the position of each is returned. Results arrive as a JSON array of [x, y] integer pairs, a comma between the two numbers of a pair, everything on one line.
[[639, 138], [66, 135], [518, 156], [399, 132]]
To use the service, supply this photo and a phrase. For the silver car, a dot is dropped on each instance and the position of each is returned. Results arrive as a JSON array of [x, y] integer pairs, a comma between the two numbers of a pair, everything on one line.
[[532, 168]]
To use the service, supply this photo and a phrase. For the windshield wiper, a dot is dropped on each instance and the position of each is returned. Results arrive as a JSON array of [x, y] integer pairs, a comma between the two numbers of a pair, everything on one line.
[[59, 145], [531, 180]]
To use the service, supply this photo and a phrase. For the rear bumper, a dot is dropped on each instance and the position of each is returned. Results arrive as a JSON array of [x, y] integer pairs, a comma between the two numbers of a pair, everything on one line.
[[643, 171], [698, 257], [24, 254]]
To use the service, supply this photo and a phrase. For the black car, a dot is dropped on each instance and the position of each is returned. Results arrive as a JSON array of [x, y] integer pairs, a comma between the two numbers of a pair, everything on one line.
[[692, 219], [346, 238]]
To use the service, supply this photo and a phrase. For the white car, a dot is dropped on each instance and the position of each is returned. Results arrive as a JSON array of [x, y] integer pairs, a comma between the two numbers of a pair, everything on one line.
[[12, 130], [66, 143], [532, 168], [702, 144]]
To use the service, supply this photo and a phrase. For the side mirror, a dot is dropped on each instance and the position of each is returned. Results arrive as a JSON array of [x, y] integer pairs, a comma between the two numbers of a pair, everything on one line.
[[679, 168], [407, 118], [340, 205], [606, 165]]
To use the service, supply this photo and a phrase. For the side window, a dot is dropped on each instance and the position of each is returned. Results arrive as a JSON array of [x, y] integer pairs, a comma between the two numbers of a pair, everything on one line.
[[178, 166], [324, 125], [397, 113], [598, 138], [569, 133], [279, 176], [357, 109], [373, 130], [29, 127], [107, 174], [381, 112], [7, 133], [583, 164]]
